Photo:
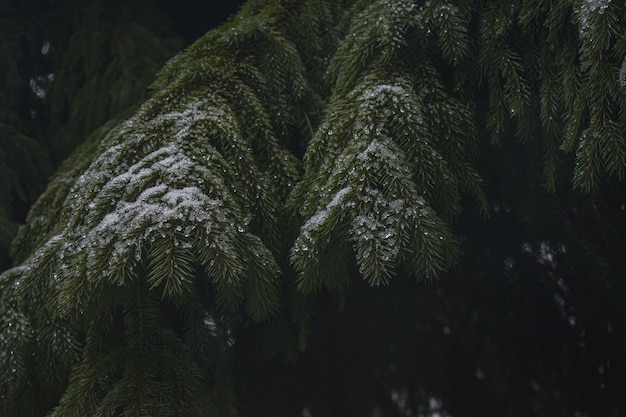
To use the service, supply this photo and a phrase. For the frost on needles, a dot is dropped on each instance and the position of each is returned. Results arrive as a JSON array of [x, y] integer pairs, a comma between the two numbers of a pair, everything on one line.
[[152, 243]]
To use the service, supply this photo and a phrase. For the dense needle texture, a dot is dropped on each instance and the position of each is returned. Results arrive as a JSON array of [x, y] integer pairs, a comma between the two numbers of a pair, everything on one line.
[[298, 148]]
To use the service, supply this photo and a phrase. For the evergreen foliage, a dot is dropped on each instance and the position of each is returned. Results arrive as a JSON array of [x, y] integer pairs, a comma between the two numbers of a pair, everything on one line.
[[105, 60], [301, 146], [24, 165], [59, 86]]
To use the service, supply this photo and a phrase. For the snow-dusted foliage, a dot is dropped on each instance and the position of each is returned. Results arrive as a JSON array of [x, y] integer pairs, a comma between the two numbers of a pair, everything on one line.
[[176, 214], [587, 9], [163, 185], [168, 205], [371, 188], [386, 167], [166, 231]]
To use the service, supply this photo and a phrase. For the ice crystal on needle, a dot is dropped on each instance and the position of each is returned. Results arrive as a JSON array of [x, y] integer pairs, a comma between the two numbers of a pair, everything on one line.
[[312, 225], [588, 7]]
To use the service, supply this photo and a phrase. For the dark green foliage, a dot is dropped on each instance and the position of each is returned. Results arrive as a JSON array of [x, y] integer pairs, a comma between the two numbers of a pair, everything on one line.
[[24, 164], [24, 167], [312, 148], [104, 60], [65, 70], [553, 71]]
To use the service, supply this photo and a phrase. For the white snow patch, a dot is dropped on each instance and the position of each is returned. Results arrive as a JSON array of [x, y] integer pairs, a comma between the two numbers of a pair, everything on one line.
[[588, 7], [379, 149], [318, 219]]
